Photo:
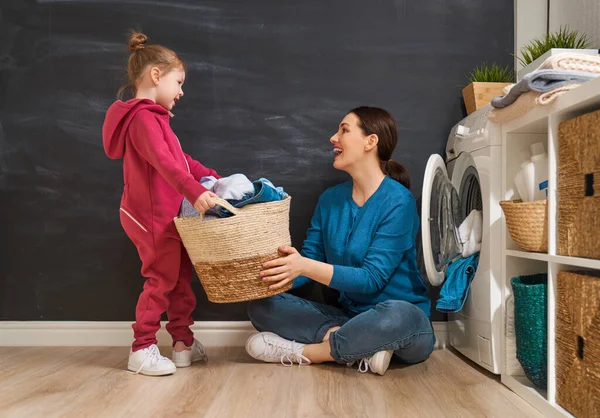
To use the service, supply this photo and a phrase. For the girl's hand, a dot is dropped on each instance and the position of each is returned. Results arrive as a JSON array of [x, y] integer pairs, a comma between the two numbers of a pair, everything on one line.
[[205, 202], [285, 269]]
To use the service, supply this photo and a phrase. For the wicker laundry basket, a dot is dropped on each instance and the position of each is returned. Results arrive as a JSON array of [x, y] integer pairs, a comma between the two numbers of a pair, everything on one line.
[[527, 223], [578, 343], [228, 253], [579, 186]]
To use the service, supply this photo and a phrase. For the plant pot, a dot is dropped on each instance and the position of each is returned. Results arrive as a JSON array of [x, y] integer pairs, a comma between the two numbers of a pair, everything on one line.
[[477, 95], [554, 51]]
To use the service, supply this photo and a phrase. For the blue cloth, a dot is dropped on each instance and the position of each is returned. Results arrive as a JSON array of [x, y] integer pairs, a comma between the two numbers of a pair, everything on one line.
[[372, 248], [455, 290], [541, 81], [391, 325]]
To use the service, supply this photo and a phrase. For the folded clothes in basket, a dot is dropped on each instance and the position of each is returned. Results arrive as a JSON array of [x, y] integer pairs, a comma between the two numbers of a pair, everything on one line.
[[262, 191]]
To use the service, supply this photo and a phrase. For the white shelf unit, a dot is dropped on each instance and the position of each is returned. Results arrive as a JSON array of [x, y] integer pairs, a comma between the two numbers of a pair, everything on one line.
[[539, 125]]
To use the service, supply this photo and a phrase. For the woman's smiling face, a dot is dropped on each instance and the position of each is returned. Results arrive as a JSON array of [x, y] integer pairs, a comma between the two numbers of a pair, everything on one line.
[[348, 143]]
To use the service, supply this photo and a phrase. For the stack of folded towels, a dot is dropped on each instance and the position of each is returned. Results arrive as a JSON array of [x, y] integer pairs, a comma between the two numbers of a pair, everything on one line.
[[557, 75]]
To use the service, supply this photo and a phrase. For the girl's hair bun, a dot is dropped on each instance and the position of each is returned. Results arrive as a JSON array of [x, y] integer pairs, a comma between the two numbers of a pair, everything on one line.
[[137, 40]]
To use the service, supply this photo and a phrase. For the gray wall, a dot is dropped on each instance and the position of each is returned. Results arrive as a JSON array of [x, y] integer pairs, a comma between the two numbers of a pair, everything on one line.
[[533, 19], [581, 15], [268, 82]]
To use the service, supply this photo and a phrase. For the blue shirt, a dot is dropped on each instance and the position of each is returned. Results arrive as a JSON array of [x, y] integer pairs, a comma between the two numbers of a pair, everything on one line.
[[372, 247]]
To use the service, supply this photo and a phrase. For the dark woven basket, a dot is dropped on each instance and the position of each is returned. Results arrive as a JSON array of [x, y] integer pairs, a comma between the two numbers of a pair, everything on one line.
[[531, 312]]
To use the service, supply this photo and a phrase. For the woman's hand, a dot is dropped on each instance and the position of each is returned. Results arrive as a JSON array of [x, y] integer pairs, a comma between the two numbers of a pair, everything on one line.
[[205, 202], [285, 269]]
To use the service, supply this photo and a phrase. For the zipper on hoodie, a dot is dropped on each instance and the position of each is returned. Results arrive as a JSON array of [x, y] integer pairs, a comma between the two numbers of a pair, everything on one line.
[[133, 219], [183, 154]]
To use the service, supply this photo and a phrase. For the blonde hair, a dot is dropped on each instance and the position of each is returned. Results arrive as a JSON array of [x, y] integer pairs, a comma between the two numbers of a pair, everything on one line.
[[142, 56]]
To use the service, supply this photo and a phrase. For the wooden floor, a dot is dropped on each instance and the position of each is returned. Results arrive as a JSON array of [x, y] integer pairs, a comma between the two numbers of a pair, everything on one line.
[[91, 382]]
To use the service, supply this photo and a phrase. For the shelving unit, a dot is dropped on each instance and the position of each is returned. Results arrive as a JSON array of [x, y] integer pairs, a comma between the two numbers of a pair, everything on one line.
[[539, 125], [585, 263]]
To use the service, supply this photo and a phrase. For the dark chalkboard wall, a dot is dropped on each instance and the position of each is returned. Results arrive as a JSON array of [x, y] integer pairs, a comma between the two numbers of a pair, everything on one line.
[[268, 81]]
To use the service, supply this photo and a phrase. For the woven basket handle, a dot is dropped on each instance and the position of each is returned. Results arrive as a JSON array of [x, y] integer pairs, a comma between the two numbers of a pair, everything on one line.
[[225, 204]]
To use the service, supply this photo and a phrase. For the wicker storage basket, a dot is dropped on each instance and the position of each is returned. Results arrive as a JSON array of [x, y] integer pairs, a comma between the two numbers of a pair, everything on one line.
[[578, 343], [531, 307], [527, 223], [579, 186], [228, 253]]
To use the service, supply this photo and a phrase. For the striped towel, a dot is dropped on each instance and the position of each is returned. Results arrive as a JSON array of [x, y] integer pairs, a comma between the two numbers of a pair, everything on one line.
[[572, 61]]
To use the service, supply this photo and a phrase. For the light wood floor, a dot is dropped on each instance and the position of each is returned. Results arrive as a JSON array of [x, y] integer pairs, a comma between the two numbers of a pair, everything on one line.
[[91, 382]]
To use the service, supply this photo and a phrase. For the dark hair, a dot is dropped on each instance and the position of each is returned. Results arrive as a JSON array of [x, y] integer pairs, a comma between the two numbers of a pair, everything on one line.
[[373, 120], [143, 55]]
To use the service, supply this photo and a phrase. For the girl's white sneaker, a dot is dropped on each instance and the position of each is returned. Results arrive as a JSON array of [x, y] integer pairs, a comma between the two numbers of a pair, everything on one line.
[[189, 355], [149, 362]]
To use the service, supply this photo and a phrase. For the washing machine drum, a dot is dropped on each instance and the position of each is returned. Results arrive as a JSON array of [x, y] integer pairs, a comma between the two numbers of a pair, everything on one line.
[[442, 212]]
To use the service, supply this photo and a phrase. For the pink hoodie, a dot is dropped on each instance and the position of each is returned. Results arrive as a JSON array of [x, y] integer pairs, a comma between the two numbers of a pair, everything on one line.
[[157, 173]]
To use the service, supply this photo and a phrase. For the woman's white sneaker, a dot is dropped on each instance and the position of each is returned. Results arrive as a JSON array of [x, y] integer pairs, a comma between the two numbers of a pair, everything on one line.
[[271, 348], [188, 355], [149, 362], [377, 363]]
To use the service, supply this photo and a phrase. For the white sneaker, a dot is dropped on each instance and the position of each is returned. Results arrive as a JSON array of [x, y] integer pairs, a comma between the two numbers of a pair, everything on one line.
[[189, 355], [271, 348], [377, 363], [148, 361]]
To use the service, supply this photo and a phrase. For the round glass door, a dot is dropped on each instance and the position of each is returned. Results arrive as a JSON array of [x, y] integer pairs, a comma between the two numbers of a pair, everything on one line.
[[440, 219]]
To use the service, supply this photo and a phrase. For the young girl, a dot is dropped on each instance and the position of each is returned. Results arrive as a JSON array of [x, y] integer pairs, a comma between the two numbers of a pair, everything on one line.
[[157, 176]]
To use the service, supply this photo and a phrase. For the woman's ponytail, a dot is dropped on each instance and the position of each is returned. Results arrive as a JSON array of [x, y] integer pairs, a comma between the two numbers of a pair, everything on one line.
[[397, 171], [374, 120]]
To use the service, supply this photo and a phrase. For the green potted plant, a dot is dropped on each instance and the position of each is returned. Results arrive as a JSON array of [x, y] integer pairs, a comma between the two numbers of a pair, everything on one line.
[[486, 82], [533, 54]]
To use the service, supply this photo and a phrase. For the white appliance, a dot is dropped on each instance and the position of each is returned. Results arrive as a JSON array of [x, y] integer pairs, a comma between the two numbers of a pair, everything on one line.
[[469, 178]]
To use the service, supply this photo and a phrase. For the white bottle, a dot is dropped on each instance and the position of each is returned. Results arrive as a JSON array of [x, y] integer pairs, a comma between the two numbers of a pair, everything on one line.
[[539, 159], [520, 183]]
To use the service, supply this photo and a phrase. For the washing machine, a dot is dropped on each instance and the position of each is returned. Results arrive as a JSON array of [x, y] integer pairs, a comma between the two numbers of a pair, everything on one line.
[[468, 178]]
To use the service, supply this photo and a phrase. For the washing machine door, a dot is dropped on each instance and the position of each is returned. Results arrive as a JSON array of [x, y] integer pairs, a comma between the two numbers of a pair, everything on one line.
[[440, 219]]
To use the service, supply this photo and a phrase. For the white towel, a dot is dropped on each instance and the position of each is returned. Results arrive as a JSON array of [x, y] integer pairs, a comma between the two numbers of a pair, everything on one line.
[[470, 248], [464, 230], [233, 187], [208, 182], [470, 233], [477, 231]]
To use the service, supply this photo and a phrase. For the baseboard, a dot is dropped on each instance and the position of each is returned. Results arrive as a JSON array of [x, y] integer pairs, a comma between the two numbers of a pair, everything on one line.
[[117, 334]]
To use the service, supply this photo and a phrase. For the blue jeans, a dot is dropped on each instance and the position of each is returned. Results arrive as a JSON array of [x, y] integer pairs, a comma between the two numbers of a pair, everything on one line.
[[393, 325]]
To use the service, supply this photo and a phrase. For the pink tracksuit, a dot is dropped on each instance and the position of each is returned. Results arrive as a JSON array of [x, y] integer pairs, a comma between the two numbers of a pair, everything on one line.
[[157, 175]]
